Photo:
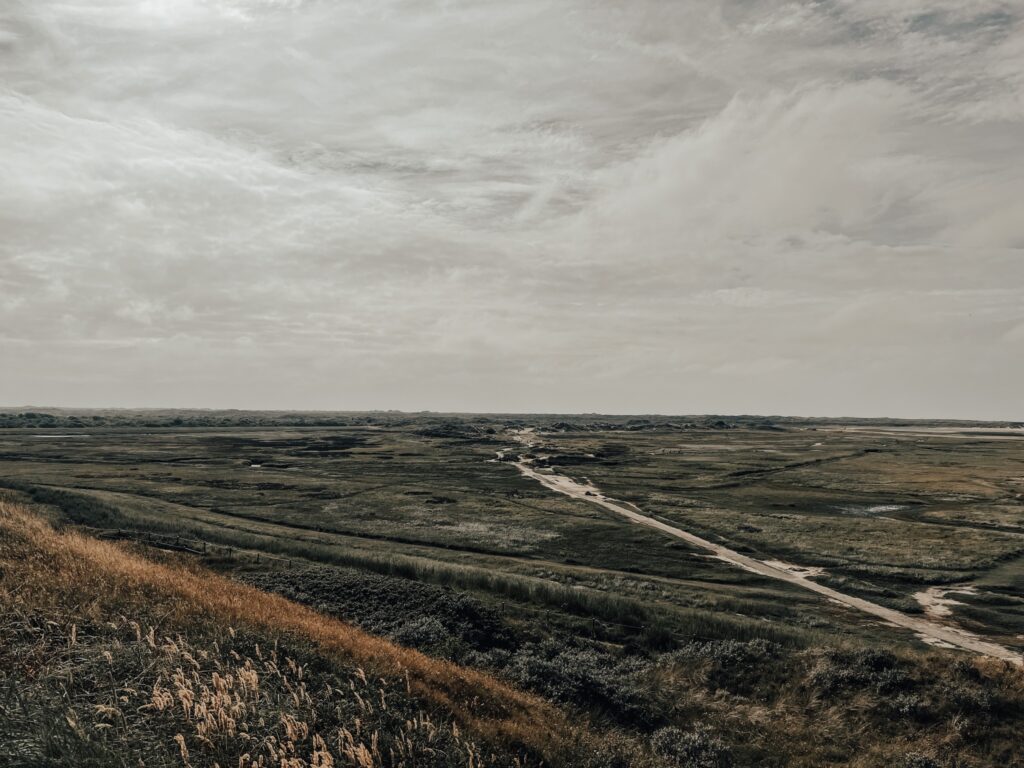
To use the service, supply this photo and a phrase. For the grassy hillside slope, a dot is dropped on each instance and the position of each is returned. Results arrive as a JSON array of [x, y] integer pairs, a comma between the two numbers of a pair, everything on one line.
[[110, 658]]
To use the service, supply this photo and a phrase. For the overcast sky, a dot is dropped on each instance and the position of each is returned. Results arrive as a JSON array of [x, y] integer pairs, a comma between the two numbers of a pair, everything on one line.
[[730, 206]]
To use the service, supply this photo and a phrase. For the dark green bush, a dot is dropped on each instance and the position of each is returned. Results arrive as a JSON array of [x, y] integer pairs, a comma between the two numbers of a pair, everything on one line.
[[698, 748], [840, 670], [586, 677], [432, 618]]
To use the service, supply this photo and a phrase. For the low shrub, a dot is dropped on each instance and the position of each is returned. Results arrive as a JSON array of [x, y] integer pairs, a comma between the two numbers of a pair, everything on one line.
[[586, 677], [839, 670], [743, 667], [698, 748], [917, 760], [428, 617], [462, 628]]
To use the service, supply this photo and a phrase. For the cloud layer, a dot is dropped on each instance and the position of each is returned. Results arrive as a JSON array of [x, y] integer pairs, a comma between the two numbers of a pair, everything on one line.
[[735, 206]]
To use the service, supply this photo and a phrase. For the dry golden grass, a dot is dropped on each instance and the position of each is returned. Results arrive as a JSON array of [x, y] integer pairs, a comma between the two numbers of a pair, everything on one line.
[[96, 578]]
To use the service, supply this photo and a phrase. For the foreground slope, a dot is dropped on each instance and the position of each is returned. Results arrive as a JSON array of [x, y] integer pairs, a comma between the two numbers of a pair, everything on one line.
[[109, 658]]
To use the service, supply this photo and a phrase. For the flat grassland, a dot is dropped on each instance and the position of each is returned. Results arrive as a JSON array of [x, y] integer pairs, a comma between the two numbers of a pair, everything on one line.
[[883, 512], [410, 527]]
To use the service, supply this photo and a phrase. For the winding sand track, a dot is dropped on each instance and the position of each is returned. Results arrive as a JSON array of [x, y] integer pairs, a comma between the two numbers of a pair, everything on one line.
[[929, 631]]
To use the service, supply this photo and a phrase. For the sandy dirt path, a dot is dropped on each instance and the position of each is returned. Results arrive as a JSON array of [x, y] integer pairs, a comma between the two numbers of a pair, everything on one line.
[[931, 632]]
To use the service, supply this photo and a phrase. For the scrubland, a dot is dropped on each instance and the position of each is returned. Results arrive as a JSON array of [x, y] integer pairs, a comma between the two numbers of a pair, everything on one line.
[[380, 593]]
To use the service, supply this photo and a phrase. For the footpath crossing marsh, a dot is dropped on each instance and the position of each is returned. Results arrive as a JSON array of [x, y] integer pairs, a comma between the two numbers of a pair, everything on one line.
[[420, 529]]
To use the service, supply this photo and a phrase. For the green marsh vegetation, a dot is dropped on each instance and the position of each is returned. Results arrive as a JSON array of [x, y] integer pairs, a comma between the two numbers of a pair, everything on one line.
[[402, 525]]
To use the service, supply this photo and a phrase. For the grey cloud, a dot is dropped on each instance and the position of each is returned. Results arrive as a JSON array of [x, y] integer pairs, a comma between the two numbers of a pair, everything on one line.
[[732, 206]]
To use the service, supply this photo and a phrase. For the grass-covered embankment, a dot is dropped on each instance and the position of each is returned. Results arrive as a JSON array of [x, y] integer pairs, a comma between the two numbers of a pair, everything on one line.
[[110, 658]]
